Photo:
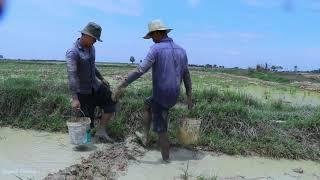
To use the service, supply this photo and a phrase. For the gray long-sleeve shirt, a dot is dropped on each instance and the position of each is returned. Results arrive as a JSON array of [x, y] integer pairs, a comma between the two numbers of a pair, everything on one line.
[[169, 64], [81, 68]]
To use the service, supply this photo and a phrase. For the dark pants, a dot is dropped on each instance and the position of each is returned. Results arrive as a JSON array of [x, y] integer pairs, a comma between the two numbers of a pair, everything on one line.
[[101, 98], [159, 116]]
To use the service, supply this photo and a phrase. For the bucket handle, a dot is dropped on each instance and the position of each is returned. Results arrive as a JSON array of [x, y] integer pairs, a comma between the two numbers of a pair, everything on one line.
[[79, 109], [82, 112]]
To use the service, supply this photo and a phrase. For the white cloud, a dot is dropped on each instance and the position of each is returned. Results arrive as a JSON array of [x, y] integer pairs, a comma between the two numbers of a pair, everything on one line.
[[286, 5], [204, 35], [244, 36], [263, 3], [193, 3], [124, 7]]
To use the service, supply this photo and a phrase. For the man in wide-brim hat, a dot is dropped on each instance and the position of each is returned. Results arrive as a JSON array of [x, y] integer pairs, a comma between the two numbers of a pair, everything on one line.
[[169, 65], [87, 91]]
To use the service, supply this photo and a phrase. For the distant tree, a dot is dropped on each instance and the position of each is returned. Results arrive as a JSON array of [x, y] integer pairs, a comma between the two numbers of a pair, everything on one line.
[[214, 66], [266, 67], [259, 67], [295, 68], [208, 66], [132, 59], [275, 68], [1, 57], [140, 61], [251, 70]]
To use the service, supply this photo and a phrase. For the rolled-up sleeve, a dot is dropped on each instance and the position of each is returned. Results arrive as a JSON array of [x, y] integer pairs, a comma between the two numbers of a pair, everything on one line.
[[147, 62], [72, 58], [143, 67]]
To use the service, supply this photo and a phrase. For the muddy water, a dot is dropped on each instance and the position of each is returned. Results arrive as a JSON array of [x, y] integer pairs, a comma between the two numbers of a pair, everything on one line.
[[222, 167], [292, 96], [34, 154]]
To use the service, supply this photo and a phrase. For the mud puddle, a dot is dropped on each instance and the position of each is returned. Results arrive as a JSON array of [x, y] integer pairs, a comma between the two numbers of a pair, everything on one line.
[[197, 165], [34, 155], [26, 154], [296, 97]]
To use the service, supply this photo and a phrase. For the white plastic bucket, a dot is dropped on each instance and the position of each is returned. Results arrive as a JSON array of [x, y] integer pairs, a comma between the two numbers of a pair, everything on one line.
[[78, 131]]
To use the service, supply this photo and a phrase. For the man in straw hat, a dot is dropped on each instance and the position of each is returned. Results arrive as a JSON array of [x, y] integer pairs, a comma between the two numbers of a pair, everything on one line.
[[169, 67], [87, 91]]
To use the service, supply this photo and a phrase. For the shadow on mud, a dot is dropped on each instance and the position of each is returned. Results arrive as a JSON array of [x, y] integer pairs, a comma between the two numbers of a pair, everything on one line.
[[85, 148]]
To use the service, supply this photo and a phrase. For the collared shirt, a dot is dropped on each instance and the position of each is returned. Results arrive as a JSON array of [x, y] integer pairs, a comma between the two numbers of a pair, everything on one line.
[[169, 64], [81, 69]]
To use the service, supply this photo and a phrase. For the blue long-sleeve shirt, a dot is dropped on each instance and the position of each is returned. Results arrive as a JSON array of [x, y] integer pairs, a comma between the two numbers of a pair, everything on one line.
[[169, 64], [82, 71]]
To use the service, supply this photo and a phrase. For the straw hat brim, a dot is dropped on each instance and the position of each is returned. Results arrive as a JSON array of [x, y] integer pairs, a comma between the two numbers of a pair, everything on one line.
[[89, 34], [147, 36]]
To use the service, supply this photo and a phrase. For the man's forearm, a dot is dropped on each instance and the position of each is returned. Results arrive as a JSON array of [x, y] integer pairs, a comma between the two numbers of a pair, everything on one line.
[[187, 83], [73, 83], [98, 74], [131, 77]]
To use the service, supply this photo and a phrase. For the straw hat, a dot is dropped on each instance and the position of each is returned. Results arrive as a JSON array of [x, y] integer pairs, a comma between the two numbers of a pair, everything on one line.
[[156, 25]]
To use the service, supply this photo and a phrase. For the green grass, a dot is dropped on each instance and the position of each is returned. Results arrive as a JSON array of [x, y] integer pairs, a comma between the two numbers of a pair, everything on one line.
[[36, 96], [280, 77], [268, 76]]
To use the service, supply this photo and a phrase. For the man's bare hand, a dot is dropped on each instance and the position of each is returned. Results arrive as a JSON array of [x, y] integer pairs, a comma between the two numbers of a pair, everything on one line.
[[189, 102], [106, 83], [116, 94], [75, 104]]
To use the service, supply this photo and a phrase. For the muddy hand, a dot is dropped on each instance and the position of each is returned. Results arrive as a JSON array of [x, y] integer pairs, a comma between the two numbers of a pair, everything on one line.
[[189, 102], [116, 94], [106, 83], [75, 104]]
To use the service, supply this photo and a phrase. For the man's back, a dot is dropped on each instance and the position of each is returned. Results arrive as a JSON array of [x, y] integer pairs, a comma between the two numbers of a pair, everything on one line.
[[167, 71]]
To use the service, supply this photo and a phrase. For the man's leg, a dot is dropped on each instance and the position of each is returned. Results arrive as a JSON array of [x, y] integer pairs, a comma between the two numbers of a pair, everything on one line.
[[164, 145], [86, 108], [102, 129], [103, 99], [160, 125], [105, 119], [147, 117]]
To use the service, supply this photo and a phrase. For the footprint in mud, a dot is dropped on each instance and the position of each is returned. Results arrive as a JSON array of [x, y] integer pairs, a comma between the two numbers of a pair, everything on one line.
[[3, 138]]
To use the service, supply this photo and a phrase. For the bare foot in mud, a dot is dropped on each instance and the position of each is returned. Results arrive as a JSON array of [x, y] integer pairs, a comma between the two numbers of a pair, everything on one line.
[[143, 139], [103, 137]]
